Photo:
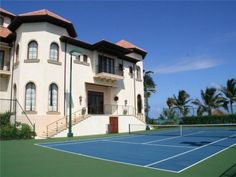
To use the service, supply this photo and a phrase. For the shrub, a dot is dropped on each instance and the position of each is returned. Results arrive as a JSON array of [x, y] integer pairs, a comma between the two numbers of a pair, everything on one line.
[[8, 132], [5, 118], [214, 119], [17, 131], [25, 132]]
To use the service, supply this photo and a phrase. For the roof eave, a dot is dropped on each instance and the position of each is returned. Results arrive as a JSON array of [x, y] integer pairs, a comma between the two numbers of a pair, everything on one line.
[[42, 18], [11, 16]]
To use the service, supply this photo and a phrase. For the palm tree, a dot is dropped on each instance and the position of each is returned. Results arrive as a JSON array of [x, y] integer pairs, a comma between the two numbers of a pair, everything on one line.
[[230, 93], [211, 99], [149, 89], [170, 102], [181, 102]]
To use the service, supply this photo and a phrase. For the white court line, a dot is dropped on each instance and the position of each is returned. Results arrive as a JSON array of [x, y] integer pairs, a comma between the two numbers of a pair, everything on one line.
[[206, 158], [90, 139], [98, 158], [154, 163], [148, 142], [62, 143], [125, 142], [125, 163]]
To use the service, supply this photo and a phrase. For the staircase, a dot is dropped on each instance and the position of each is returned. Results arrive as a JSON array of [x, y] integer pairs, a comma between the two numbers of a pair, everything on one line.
[[95, 124], [63, 123]]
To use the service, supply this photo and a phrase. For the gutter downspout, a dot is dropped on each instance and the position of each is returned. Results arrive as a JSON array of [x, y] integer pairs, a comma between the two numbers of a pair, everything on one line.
[[12, 72], [135, 111]]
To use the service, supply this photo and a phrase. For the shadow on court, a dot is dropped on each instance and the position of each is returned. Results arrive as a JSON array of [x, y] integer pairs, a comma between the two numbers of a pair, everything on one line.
[[231, 172]]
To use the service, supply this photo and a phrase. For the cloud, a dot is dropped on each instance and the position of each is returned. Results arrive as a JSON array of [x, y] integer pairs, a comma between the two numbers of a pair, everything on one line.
[[188, 64]]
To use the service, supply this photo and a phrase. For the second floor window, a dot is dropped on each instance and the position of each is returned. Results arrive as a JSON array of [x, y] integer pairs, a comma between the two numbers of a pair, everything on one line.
[[1, 21], [106, 64], [17, 52], [138, 70], [54, 52], [33, 50], [85, 58], [1, 59]]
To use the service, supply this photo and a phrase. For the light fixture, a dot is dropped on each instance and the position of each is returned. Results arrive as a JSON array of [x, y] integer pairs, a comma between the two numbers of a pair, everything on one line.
[[74, 52]]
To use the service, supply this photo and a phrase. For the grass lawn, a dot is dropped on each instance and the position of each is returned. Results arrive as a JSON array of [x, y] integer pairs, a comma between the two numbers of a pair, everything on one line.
[[21, 158]]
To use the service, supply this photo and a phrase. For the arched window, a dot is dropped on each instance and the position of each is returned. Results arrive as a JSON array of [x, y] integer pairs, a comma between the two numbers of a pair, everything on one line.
[[1, 21], [54, 52], [30, 97], [139, 103], [17, 52], [138, 72], [53, 98], [33, 50]]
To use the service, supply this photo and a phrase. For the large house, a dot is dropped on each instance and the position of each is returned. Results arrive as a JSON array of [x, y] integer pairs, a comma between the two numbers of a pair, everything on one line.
[[42, 63]]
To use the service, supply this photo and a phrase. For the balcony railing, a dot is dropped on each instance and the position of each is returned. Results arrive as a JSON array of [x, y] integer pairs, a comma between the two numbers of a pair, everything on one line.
[[5, 70], [118, 109], [109, 70]]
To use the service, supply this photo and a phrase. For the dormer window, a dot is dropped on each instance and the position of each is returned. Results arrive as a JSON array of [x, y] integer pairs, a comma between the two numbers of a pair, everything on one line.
[[1, 21]]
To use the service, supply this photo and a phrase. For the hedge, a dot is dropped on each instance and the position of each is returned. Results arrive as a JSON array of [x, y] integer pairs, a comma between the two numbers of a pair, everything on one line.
[[214, 119], [18, 131]]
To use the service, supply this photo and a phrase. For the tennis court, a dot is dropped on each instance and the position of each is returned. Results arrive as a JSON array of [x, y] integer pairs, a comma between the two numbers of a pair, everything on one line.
[[167, 148]]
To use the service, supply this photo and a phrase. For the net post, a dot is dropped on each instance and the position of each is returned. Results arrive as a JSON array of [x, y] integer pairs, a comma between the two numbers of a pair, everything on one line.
[[181, 130], [129, 128]]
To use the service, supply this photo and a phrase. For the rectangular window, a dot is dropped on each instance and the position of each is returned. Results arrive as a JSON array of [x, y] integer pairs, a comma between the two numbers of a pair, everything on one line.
[[1, 59], [77, 57], [106, 64], [131, 70], [85, 58]]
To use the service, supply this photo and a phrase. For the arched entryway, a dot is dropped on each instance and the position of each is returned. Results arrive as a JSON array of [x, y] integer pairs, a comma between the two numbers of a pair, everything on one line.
[[139, 103]]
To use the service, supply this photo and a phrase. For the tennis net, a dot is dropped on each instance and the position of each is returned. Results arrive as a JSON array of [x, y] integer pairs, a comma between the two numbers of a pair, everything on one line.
[[195, 130]]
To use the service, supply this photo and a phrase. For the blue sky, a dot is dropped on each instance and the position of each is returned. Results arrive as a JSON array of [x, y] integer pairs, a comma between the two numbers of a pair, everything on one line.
[[191, 45]]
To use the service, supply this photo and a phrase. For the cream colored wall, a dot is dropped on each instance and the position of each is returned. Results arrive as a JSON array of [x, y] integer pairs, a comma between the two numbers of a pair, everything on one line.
[[81, 74], [98, 124], [44, 73], [41, 73]]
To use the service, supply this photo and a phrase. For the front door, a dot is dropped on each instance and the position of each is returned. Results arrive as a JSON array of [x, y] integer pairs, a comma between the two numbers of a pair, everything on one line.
[[114, 124], [95, 102]]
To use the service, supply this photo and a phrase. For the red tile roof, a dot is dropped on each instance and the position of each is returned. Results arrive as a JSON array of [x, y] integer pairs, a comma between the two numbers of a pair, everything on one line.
[[128, 45], [3, 11], [4, 32], [45, 12]]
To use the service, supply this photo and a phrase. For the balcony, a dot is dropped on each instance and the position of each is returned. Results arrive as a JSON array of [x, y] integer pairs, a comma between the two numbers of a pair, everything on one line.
[[108, 109], [109, 73], [4, 71]]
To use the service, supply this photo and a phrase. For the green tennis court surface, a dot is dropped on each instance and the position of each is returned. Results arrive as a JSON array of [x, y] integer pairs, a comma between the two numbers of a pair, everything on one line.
[[21, 158]]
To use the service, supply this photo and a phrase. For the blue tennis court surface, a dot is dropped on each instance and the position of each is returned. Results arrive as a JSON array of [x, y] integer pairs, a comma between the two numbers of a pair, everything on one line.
[[156, 151]]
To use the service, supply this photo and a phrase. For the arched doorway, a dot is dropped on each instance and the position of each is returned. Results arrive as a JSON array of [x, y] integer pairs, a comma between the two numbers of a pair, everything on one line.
[[139, 103]]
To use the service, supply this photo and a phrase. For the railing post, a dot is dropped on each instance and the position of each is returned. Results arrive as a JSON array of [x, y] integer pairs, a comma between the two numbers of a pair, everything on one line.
[[34, 130], [57, 126], [47, 131], [15, 110]]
